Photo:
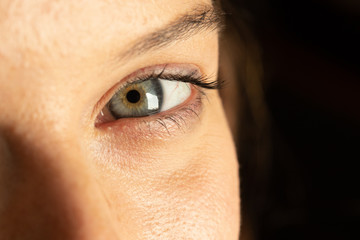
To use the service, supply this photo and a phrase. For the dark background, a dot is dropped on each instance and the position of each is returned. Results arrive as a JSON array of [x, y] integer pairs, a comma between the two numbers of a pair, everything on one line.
[[310, 54]]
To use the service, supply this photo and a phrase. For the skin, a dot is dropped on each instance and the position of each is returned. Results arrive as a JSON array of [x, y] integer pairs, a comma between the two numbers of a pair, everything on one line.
[[64, 177]]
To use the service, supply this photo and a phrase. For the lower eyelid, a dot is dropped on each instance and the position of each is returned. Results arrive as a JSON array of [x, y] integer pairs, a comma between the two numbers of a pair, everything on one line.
[[164, 124]]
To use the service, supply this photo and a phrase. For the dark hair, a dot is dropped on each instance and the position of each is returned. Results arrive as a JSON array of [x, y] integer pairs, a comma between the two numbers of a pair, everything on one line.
[[241, 68]]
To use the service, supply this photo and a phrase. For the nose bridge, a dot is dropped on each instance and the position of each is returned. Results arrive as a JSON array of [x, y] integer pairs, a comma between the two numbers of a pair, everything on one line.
[[49, 193]]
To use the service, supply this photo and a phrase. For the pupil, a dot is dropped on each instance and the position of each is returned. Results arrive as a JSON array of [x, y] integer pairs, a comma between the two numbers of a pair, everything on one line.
[[133, 96]]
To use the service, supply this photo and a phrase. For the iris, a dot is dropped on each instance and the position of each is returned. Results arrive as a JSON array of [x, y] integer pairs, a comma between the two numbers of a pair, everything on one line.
[[137, 99]]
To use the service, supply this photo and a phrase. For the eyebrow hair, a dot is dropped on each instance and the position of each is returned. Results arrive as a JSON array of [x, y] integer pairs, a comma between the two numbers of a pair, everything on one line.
[[201, 18]]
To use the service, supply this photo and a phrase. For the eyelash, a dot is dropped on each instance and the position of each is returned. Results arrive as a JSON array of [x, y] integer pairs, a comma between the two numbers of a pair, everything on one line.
[[198, 81], [201, 81]]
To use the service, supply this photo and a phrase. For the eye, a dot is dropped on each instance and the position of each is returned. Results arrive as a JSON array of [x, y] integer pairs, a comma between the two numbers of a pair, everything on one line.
[[148, 97], [155, 89]]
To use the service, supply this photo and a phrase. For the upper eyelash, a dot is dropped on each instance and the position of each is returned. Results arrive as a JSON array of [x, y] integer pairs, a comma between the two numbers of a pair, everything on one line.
[[193, 78]]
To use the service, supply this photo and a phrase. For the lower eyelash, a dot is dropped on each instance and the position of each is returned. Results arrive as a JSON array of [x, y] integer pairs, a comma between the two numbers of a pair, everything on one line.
[[178, 118], [172, 122], [159, 126]]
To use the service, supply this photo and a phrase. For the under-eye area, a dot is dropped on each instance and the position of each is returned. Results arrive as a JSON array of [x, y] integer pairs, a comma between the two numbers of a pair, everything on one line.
[[158, 99]]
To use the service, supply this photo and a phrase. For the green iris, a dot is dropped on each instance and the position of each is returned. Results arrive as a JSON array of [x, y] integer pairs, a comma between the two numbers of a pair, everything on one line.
[[137, 99]]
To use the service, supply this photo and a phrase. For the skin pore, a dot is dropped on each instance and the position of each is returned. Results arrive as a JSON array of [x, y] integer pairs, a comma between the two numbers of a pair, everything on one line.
[[65, 173]]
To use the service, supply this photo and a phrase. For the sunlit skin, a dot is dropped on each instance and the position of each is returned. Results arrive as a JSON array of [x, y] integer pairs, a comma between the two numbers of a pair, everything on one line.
[[64, 174]]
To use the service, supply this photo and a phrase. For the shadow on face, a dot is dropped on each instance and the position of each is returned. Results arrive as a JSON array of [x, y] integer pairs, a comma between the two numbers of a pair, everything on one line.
[[73, 168]]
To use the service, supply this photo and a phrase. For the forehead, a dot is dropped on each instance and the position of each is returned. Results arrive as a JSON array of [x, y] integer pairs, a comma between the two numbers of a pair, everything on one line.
[[37, 26]]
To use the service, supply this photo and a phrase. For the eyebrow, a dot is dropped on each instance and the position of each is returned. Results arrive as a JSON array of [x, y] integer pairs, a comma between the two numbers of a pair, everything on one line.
[[202, 18]]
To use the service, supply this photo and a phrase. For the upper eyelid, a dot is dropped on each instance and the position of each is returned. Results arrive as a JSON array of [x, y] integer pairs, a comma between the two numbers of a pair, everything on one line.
[[165, 71], [164, 76], [194, 77]]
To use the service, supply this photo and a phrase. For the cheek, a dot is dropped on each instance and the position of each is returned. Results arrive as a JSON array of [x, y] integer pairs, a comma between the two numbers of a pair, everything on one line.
[[197, 201], [185, 189], [190, 203]]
